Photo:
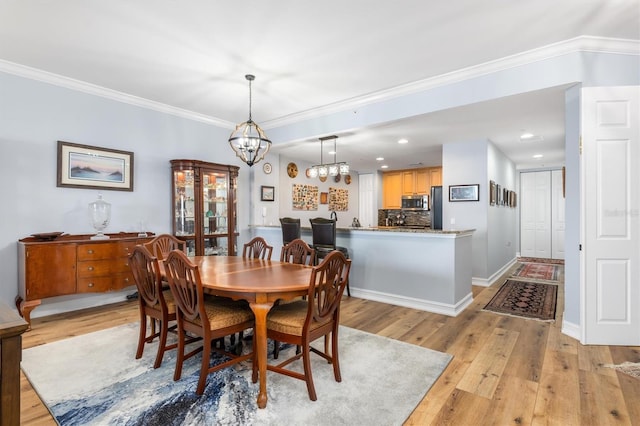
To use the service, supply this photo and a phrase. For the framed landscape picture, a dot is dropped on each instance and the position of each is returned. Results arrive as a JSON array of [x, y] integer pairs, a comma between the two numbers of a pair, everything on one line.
[[84, 166], [464, 192], [267, 193]]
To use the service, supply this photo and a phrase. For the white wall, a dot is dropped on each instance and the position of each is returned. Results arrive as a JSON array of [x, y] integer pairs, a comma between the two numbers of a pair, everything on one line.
[[35, 115]]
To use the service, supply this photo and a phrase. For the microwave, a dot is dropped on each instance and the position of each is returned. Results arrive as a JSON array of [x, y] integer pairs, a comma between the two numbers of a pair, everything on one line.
[[415, 202]]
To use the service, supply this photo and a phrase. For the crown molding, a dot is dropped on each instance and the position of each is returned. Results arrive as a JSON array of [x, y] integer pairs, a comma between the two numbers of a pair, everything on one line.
[[92, 89], [577, 44]]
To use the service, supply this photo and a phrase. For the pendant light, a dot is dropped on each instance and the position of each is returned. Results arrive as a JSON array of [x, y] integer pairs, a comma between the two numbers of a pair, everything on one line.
[[248, 140], [333, 169]]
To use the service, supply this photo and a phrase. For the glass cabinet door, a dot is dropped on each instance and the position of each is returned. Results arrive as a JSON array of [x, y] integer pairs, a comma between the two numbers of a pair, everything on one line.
[[215, 220]]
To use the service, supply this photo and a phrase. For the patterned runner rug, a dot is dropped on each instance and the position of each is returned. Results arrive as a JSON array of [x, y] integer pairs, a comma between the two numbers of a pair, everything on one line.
[[630, 368], [525, 299], [537, 271]]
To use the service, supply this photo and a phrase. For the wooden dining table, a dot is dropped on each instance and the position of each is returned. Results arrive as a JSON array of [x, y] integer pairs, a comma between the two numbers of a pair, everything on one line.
[[261, 283]]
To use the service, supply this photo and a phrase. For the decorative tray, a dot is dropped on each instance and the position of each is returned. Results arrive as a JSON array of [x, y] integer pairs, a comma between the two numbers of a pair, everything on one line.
[[47, 236]]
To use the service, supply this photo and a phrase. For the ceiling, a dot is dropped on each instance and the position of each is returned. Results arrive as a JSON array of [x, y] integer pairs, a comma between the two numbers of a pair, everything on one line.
[[307, 56]]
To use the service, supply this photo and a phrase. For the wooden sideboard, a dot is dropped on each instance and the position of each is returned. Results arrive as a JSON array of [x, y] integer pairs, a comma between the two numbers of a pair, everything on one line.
[[72, 264], [11, 329]]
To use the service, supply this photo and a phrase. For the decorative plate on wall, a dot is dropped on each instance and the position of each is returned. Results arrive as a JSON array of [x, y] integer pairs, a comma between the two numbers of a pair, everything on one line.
[[266, 167], [322, 178], [337, 178], [308, 173], [292, 170], [347, 179]]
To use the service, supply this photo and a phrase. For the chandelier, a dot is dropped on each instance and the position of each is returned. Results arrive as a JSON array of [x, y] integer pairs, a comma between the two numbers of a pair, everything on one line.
[[248, 140], [332, 169]]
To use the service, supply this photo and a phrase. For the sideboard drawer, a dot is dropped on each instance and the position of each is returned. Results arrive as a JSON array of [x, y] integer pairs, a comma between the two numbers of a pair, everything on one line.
[[94, 284]]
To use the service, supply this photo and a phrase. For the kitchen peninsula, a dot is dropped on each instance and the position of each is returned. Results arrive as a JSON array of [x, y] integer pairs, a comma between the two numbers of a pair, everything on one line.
[[423, 269]]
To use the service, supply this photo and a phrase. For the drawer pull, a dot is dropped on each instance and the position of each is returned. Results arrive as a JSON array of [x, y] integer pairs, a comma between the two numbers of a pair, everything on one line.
[[90, 285], [90, 251], [126, 280], [90, 268]]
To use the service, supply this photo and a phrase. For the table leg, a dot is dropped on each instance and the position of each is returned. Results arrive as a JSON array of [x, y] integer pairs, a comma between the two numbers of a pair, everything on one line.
[[260, 311]]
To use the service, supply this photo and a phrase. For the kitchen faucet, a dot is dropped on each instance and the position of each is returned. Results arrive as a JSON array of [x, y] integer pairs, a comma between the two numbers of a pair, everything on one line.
[[334, 215]]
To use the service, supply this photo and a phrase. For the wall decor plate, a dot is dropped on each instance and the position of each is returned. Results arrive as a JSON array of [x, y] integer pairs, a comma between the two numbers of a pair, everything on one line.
[[292, 170], [322, 178], [308, 173], [266, 167], [337, 178], [347, 179]]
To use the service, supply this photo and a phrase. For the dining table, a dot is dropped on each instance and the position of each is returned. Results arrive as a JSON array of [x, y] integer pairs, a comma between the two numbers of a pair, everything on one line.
[[259, 282]]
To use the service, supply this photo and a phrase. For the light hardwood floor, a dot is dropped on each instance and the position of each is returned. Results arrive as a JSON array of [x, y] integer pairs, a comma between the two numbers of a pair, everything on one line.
[[505, 370]]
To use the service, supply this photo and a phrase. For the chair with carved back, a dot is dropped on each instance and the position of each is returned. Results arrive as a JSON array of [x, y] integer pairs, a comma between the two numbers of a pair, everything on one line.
[[298, 252], [206, 317], [257, 248], [154, 302], [302, 321], [161, 245]]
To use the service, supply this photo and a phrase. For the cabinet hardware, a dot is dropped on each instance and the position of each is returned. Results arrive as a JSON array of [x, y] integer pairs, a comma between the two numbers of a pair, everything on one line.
[[90, 268], [90, 285], [90, 251]]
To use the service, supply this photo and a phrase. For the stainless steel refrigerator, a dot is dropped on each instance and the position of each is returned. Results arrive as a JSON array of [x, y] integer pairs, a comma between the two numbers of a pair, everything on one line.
[[436, 207]]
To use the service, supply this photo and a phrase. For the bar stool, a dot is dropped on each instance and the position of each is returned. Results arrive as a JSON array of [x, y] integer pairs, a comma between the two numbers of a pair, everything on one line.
[[290, 229], [323, 232]]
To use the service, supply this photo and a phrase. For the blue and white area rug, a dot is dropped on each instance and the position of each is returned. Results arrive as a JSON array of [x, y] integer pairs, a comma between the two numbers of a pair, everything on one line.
[[94, 379]]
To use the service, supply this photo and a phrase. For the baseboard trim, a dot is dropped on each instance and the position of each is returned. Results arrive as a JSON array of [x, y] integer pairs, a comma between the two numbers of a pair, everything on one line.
[[410, 302], [488, 282], [571, 330]]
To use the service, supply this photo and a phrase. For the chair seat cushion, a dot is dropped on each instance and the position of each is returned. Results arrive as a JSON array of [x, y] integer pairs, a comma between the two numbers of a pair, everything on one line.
[[289, 318], [226, 313], [168, 298]]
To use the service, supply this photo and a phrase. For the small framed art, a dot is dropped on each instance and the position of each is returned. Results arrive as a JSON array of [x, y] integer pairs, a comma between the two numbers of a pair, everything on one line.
[[464, 192], [267, 193]]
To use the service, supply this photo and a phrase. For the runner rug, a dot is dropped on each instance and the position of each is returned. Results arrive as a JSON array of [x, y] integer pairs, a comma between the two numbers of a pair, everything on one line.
[[525, 299], [537, 271], [94, 379]]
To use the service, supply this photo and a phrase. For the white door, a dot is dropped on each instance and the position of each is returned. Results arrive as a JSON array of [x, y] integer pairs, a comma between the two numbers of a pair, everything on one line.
[[535, 214], [527, 215], [557, 215], [367, 211], [611, 215]]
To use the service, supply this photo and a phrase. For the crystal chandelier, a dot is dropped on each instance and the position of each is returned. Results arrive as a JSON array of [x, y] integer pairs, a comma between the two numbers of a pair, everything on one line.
[[332, 169], [248, 140]]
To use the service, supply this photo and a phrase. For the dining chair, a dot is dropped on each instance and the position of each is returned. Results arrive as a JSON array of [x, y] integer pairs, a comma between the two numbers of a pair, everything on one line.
[[302, 321], [323, 232], [257, 248], [161, 245], [208, 318], [297, 252], [154, 302], [290, 229]]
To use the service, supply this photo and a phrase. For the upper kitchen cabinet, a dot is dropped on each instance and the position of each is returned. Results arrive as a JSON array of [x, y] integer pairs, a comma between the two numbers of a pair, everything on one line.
[[397, 183], [391, 190], [204, 206]]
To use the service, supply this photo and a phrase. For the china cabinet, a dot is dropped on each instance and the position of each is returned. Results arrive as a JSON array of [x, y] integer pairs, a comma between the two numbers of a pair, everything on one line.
[[204, 208]]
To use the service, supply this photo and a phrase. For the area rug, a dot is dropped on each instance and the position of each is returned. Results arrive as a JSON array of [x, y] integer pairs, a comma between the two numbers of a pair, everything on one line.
[[525, 299], [537, 271], [630, 368], [94, 379]]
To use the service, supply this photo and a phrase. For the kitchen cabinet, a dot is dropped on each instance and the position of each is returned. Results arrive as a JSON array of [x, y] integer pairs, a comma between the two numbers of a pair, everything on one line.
[[72, 264], [397, 183], [204, 206], [391, 190]]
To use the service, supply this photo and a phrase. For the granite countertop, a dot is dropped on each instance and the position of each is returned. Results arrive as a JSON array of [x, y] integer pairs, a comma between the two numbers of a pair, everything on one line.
[[387, 229]]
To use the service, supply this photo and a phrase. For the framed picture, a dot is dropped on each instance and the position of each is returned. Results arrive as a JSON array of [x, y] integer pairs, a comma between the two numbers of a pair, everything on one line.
[[84, 166], [464, 192], [324, 198], [492, 193], [267, 193]]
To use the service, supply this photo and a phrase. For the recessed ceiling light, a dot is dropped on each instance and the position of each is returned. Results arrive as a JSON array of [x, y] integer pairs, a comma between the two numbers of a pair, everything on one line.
[[379, 158], [538, 156], [384, 166], [332, 152], [401, 141], [526, 135]]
